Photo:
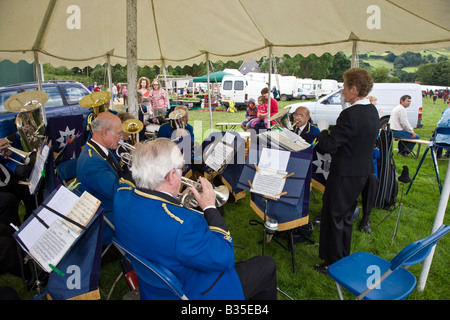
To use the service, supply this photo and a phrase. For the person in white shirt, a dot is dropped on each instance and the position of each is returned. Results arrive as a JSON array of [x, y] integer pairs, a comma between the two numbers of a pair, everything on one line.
[[401, 128]]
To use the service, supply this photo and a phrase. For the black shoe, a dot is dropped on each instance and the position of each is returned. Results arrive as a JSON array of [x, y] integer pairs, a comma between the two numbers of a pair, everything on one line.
[[321, 268], [364, 225], [402, 154]]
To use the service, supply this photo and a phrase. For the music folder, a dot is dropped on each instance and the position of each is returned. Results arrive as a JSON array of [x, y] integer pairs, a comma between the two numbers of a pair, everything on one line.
[[55, 226]]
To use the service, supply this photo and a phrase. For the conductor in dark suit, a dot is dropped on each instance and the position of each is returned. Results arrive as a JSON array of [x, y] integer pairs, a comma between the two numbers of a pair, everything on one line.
[[350, 143]]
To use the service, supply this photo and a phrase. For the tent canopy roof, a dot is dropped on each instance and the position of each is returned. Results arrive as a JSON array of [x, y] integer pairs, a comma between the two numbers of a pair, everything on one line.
[[178, 33]]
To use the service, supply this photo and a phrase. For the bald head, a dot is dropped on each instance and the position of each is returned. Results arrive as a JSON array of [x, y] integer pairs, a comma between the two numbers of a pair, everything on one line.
[[107, 130], [301, 116]]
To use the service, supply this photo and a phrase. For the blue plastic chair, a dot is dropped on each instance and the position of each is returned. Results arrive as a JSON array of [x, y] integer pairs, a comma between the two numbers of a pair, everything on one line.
[[152, 273], [370, 277], [67, 170]]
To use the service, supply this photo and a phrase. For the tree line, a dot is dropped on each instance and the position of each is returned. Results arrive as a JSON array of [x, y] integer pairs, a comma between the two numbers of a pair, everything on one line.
[[430, 70]]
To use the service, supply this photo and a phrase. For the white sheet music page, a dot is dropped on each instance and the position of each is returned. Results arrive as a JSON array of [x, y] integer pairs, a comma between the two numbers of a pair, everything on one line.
[[222, 152], [47, 244], [269, 177]]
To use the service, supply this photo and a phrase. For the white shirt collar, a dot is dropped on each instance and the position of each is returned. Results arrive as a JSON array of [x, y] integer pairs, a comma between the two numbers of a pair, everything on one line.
[[105, 150]]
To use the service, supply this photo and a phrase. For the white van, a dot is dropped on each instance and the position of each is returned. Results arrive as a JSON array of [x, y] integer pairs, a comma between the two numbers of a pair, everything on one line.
[[387, 94], [239, 89], [328, 86]]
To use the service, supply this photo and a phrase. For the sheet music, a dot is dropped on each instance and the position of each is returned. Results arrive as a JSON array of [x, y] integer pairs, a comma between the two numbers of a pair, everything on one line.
[[82, 211], [269, 182], [39, 165], [286, 140], [53, 245], [221, 153], [219, 156], [49, 237]]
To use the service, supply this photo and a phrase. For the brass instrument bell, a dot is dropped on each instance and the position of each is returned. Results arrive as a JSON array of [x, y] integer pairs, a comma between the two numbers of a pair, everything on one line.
[[132, 127], [95, 101], [282, 118], [29, 122]]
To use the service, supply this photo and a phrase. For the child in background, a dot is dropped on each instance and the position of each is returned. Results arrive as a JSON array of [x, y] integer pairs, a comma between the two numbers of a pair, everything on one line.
[[263, 112], [250, 114]]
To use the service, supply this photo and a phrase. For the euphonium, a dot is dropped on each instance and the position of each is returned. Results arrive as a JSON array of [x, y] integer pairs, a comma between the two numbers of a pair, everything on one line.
[[187, 198]]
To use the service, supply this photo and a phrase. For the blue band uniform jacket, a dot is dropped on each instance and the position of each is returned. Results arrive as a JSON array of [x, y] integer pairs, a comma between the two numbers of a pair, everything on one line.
[[196, 248], [98, 177]]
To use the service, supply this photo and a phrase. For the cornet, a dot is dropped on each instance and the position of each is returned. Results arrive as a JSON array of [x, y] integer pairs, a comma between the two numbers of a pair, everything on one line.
[[187, 198]]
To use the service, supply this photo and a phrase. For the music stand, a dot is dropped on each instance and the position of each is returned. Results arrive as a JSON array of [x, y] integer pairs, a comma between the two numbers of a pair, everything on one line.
[[404, 178], [291, 209]]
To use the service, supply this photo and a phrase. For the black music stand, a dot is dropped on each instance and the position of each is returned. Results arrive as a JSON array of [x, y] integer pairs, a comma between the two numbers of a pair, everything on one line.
[[291, 209]]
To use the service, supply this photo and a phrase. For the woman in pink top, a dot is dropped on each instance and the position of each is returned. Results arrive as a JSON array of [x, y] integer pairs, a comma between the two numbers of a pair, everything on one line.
[[159, 99], [144, 88]]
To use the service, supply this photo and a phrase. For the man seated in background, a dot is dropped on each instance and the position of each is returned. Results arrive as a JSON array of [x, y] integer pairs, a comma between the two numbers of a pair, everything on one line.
[[401, 128]]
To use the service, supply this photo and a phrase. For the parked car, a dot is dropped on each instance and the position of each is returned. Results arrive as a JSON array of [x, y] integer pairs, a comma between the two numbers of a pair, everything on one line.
[[64, 98], [388, 95]]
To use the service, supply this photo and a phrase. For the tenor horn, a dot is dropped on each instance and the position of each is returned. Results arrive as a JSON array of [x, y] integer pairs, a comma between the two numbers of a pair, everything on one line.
[[132, 127]]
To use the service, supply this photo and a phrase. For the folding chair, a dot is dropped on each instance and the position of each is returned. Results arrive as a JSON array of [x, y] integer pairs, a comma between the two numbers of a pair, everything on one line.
[[434, 143], [152, 273], [373, 278]]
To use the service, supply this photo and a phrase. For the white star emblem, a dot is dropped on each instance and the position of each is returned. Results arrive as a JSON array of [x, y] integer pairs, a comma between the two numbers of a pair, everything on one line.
[[323, 164], [65, 137]]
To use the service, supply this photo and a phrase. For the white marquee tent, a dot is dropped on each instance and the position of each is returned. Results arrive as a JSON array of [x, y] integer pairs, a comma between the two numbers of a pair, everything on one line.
[[178, 32]]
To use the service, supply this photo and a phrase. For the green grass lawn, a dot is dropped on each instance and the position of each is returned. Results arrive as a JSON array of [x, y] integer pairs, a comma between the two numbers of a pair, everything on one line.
[[306, 284]]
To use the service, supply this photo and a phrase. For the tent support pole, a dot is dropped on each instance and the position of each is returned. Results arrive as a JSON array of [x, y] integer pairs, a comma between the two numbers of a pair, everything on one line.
[[438, 221], [108, 68], [269, 85], [209, 92], [132, 56]]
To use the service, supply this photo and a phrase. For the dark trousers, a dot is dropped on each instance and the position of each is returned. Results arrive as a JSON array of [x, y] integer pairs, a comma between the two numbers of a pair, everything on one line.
[[258, 278], [339, 202], [369, 195], [10, 197]]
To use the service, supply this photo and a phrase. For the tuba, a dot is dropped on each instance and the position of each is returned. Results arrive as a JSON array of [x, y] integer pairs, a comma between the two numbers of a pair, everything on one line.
[[29, 123], [187, 198], [95, 101]]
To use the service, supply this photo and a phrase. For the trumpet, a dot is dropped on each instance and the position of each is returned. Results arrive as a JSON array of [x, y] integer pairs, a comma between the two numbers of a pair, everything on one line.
[[188, 200], [23, 154]]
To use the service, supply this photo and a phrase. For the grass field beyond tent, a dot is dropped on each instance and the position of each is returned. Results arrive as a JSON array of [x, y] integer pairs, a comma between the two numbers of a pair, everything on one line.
[[306, 284]]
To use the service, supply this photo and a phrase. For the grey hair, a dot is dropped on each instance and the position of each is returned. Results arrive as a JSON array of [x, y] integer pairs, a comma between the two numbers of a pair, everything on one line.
[[153, 161], [99, 123]]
